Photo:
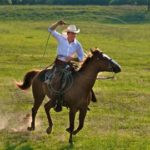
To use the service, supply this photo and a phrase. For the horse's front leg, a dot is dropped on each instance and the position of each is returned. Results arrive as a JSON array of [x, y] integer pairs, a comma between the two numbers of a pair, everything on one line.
[[71, 121], [82, 115], [93, 98], [48, 106]]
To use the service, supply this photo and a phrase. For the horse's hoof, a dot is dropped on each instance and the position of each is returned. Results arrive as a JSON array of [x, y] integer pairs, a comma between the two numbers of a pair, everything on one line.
[[30, 128], [70, 141], [49, 130], [75, 132]]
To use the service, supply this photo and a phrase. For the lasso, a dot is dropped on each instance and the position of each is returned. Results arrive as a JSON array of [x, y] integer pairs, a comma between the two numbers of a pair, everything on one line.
[[66, 81]]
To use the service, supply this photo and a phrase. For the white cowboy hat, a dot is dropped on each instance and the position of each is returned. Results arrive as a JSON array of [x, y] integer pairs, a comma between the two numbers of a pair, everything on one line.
[[72, 28]]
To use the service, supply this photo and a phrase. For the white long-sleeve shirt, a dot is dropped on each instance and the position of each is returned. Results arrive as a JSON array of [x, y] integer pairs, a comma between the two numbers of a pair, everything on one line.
[[65, 48]]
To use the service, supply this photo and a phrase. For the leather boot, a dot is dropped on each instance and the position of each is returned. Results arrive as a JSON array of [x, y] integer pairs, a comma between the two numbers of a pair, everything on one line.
[[58, 106]]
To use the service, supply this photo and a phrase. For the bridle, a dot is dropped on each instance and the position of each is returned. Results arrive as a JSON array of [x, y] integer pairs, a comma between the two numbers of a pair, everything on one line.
[[110, 68]]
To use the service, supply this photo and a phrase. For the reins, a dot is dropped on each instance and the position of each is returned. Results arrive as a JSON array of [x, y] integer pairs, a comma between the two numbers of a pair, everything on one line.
[[106, 78]]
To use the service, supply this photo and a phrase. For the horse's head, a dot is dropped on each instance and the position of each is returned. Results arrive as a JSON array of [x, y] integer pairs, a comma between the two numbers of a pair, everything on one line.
[[104, 62]]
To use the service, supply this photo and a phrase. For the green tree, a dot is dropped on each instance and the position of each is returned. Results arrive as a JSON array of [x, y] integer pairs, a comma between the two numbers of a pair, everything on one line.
[[4, 2], [117, 2], [15, 2], [148, 3], [142, 2], [131, 2]]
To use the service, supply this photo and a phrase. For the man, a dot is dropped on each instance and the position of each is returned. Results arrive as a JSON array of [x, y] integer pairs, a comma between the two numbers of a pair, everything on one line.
[[67, 42], [68, 46]]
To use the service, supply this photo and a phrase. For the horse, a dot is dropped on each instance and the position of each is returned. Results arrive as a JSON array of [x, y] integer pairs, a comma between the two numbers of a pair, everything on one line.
[[77, 97]]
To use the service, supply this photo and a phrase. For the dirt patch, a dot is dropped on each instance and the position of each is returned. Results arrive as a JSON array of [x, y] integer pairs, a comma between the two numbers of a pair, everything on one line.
[[147, 69], [17, 122]]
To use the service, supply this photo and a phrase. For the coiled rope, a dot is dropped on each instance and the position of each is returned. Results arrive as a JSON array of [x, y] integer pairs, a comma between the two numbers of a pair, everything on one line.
[[66, 81]]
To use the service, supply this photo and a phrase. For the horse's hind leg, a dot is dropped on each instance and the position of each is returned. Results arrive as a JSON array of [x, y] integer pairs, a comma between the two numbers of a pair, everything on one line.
[[48, 106], [82, 115], [38, 99]]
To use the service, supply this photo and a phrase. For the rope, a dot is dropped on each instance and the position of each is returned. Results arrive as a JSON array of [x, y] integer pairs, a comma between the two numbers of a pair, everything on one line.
[[46, 45], [45, 50], [105, 78], [67, 78]]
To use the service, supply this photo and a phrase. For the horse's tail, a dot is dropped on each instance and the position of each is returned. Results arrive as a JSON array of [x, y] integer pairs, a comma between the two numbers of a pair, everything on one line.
[[27, 80]]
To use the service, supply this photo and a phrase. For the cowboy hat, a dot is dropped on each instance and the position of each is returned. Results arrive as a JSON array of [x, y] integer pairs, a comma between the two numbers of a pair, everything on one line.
[[72, 28]]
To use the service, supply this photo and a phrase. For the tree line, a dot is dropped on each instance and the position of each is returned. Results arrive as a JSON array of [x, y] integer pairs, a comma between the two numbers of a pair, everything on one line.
[[75, 2]]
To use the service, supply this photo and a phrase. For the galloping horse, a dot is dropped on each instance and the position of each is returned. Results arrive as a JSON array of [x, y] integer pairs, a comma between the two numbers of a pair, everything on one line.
[[77, 98]]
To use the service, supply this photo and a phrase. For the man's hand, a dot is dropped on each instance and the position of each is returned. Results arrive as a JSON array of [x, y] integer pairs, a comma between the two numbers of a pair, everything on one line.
[[61, 22], [54, 26]]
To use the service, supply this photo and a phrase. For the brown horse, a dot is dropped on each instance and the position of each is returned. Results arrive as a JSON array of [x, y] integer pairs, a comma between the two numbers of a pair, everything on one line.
[[77, 98]]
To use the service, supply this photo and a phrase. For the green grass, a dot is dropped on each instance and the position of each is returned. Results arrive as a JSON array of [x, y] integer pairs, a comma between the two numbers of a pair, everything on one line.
[[121, 118], [110, 14]]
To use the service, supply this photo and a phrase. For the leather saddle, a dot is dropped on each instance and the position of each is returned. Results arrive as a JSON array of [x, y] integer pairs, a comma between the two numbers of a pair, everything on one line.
[[65, 82]]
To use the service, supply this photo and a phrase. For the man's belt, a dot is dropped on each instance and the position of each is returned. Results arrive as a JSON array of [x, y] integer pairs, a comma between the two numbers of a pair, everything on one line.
[[60, 62]]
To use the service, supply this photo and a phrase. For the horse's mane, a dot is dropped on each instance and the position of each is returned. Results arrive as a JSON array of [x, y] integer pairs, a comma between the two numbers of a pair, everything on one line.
[[85, 63], [90, 56]]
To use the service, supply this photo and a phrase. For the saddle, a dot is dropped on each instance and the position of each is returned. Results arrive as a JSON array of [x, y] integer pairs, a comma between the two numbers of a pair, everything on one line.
[[42, 75], [65, 77]]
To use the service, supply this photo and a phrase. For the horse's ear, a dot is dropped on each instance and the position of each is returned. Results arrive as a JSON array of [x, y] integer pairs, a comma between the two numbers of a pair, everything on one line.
[[95, 49], [99, 50], [92, 50]]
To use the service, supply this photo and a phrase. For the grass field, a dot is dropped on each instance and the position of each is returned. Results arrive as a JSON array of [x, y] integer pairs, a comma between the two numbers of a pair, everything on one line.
[[120, 120]]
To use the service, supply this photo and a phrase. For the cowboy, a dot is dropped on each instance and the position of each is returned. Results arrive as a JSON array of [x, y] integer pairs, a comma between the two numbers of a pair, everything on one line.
[[68, 46]]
